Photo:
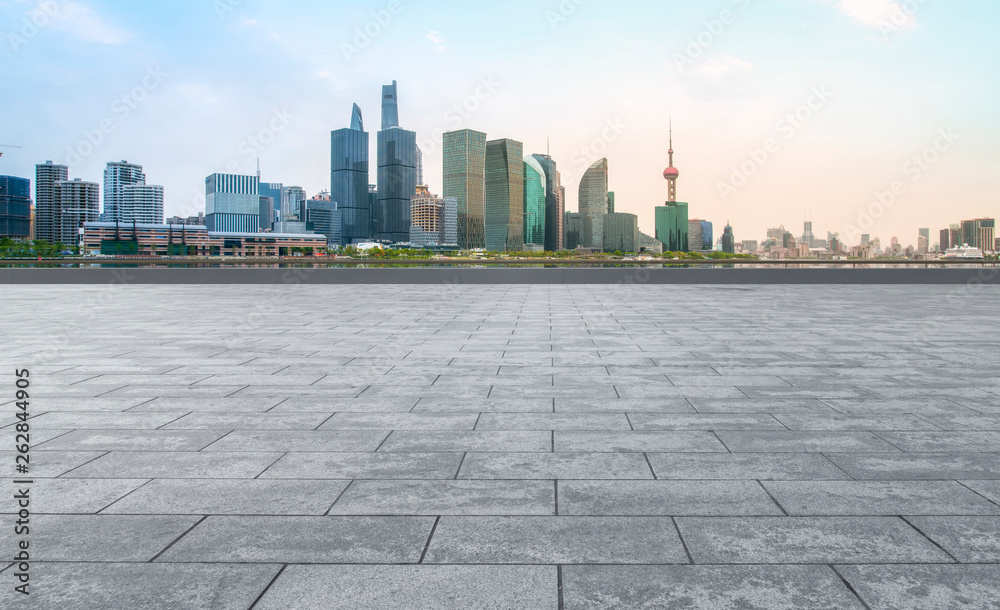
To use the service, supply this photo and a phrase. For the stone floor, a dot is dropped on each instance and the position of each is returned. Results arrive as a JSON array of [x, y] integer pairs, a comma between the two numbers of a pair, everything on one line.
[[507, 447]]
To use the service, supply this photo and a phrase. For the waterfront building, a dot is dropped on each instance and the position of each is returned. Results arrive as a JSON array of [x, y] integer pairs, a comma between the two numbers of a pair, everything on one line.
[[504, 195], [535, 183], [465, 181], [594, 203], [728, 240], [117, 176], [435, 219], [323, 217], [349, 179], [574, 231], [142, 203], [76, 202], [555, 204], [46, 210], [134, 239], [621, 232], [397, 172], [15, 208], [672, 217], [232, 203]]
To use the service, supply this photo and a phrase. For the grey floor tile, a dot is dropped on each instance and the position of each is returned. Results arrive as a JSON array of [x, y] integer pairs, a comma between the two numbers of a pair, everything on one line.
[[176, 465], [915, 406], [926, 587], [621, 405], [381, 465], [552, 421], [132, 440], [303, 540], [988, 489], [706, 588], [969, 539], [878, 498], [489, 441], [206, 404], [400, 421], [102, 420], [919, 466], [555, 540], [248, 421], [230, 497], [631, 442], [447, 498], [72, 496], [664, 498], [298, 440], [945, 442], [47, 464], [105, 538], [483, 405], [761, 405], [352, 587], [646, 421], [803, 442], [820, 423], [331, 405], [745, 466], [555, 466], [128, 586], [807, 540]]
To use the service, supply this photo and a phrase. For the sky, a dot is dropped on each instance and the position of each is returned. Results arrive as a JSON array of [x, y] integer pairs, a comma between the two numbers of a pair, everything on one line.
[[867, 116]]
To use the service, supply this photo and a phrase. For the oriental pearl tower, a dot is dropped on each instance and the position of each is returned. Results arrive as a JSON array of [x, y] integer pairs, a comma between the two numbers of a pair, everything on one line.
[[671, 174]]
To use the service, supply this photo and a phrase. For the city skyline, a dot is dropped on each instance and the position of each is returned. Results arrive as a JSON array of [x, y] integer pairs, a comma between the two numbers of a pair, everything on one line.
[[734, 101]]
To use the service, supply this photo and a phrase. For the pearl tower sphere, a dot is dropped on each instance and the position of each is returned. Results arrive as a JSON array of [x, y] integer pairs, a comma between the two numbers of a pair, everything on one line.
[[671, 174]]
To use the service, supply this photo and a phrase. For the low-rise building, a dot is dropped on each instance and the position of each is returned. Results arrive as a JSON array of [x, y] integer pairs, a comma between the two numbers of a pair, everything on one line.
[[134, 239]]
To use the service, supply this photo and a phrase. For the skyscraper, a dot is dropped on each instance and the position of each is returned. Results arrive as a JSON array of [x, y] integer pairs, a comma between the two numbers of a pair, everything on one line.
[[611, 202], [594, 203], [116, 177], [621, 232], [142, 203], [15, 207], [729, 240], [465, 180], [555, 205], [672, 218], [696, 237], [76, 202], [232, 203], [349, 178], [924, 241], [708, 235], [535, 183], [807, 236], [397, 172], [945, 240], [504, 195], [273, 191], [46, 211]]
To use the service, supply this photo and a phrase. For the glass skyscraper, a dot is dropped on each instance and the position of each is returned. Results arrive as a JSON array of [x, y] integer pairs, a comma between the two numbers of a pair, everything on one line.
[[555, 205], [15, 207], [349, 177], [672, 226], [465, 180], [594, 203], [504, 195], [534, 202], [397, 172], [232, 203]]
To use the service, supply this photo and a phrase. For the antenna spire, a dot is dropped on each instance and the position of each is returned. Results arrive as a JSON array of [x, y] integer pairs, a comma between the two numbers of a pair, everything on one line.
[[258, 169]]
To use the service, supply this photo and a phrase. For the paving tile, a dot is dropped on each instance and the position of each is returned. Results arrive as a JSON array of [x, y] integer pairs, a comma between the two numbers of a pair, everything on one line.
[[400, 421], [933, 587], [72, 496], [176, 465], [819, 423], [47, 464], [646, 421], [803, 442], [351, 587], [802, 540], [745, 466], [706, 588], [100, 537], [760, 405], [946, 442], [554, 466], [230, 497], [207, 404], [247, 421], [102, 420], [489, 441], [552, 421], [303, 540], [666, 498], [381, 465], [876, 498], [127, 586], [331, 405], [632, 442], [969, 539], [132, 440], [297, 440], [916, 406], [621, 405], [559, 540], [919, 466], [447, 498], [483, 405]]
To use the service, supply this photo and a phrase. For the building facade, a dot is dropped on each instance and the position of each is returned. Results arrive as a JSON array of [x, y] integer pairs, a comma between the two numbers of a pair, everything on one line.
[[142, 203], [323, 217], [128, 239], [349, 179], [555, 205], [574, 231], [621, 232], [46, 210], [15, 208], [232, 203], [76, 202], [397, 172], [118, 176], [504, 195], [594, 203], [535, 183], [672, 226], [729, 240], [465, 181]]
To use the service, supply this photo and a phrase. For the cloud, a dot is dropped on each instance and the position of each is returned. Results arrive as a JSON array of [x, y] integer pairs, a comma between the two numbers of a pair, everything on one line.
[[437, 39], [82, 21], [876, 13], [717, 66]]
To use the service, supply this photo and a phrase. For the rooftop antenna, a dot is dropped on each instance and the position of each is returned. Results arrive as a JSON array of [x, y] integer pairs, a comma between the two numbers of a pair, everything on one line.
[[548, 147], [258, 169]]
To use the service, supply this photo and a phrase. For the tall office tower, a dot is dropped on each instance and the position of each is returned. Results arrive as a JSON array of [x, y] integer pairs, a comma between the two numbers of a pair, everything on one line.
[[232, 203], [293, 199], [266, 213], [46, 177], [504, 195], [465, 180], [945, 240], [555, 208], [435, 219], [925, 235], [979, 233], [611, 202], [323, 217], [273, 191], [535, 183], [594, 203], [696, 237], [76, 202], [672, 217], [807, 235], [866, 239], [116, 177], [955, 238], [729, 240], [562, 219], [420, 167], [449, 235], [142, 203], [15, 208], [349, 180], [708, 235], [574, 230], [621, 232], [397, 172]]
